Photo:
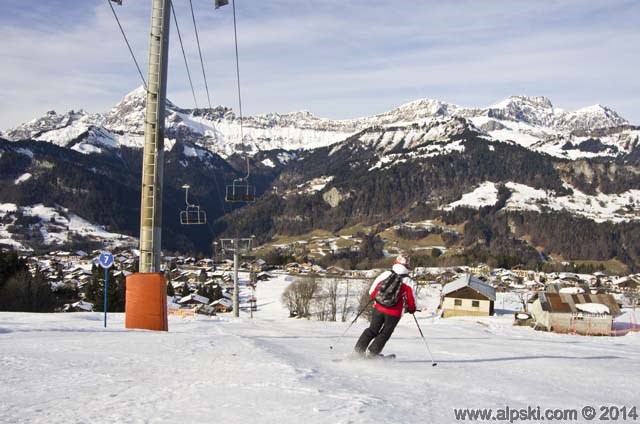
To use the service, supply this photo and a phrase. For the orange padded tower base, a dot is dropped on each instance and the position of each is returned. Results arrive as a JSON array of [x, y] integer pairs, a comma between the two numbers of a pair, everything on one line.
[[146, 302]]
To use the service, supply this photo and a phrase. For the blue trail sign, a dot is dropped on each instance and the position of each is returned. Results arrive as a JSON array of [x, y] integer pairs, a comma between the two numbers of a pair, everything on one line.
[[106, 261]]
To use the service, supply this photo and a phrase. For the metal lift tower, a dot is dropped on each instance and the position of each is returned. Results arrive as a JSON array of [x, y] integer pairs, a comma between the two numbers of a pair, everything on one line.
[[153, 154], [146, 293]]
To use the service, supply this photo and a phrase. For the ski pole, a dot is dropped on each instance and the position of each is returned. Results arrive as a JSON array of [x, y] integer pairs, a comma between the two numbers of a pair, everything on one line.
[[352, 322], [433, 363]]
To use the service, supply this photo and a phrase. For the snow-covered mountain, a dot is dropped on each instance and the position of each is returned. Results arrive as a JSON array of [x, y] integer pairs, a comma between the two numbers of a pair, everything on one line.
[[532, 122], [54, 226], [522, 156]]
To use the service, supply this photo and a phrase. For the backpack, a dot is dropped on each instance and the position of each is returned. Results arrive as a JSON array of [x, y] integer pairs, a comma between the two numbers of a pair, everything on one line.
[[388, 290]]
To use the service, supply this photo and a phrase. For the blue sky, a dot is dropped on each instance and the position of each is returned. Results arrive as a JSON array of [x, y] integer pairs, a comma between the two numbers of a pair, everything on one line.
[[337, 59]]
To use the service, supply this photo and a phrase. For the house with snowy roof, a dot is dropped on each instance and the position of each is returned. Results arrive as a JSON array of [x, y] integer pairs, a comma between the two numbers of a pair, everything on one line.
[[222, 305], [263, 276], [630, 282], [193, 299], [577, 313], [79, 306], [467, 295]]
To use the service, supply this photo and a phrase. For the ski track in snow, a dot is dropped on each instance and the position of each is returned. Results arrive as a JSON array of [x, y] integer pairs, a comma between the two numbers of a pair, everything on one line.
[[68, 368]]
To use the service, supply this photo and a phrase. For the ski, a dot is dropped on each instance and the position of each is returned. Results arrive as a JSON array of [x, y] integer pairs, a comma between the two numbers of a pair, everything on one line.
[[380, 357], [383, 357]]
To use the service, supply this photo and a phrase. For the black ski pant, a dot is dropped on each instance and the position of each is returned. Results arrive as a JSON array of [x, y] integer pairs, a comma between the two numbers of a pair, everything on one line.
[[380, 329]]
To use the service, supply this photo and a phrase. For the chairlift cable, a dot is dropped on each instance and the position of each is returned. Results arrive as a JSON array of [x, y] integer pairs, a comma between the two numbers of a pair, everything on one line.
[[204, 75], [195, 101], [235, 33], [126, 40], [175, 19]]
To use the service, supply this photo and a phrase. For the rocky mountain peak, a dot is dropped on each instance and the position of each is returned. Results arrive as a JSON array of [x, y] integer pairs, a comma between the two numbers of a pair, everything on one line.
[[417, 110], [531, 101], [533, 110], [590, 118]]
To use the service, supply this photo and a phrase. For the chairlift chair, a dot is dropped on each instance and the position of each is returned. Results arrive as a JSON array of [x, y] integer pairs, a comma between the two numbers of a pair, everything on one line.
[[240, 191], [192, 215]]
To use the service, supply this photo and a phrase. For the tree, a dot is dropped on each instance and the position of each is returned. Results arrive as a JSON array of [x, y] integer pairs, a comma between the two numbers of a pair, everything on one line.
[[345, 303], [298, 295], [185, 290], [116, 291], [332, 297], [523, 297], [202, 277], [633, 295], [10, 263], [290, 301], [365, 305], [24, 292]]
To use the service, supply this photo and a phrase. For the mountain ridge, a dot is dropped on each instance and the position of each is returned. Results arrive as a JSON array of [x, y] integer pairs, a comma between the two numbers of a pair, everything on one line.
[[527, 120], [538, 164]]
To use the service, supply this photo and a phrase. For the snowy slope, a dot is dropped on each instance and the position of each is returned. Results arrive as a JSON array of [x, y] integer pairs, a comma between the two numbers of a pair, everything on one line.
[[271, 369], [601, 207], [54, 226]]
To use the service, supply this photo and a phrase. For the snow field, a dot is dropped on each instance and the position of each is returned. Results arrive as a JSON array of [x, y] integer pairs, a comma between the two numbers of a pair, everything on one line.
[[600, 208], [273, 369]]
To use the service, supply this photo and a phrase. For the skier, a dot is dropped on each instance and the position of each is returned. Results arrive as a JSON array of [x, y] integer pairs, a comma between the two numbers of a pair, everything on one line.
[[385, 318]]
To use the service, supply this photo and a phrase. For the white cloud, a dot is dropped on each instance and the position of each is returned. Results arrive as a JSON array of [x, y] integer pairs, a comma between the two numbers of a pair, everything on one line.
[[338, 59]]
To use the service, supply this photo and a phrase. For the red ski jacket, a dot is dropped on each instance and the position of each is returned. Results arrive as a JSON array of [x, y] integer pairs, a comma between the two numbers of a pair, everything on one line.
[[405, 295]]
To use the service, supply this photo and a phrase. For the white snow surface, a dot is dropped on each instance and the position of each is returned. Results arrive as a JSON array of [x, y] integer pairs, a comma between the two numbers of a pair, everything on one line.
[[314, 185], [269, 163], [601, 207], [22, 178], [273, 369], [593, 308], [485, 195]]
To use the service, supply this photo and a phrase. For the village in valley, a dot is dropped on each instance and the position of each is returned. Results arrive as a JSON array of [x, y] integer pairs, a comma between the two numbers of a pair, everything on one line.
[[560, 302]]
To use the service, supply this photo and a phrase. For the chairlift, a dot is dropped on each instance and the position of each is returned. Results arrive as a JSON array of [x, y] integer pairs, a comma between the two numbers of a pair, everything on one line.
[[240, 191], [192, 215]]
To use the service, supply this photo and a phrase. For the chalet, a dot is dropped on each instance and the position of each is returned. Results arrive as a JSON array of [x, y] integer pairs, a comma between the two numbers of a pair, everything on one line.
[[467, 295], [226, 265], [205, 310], [211, 282], [292, 268], [222, 305], [258, 265], [569, 278], [426, 276], [629, 289], [335, 270], [523, 273], [205, 262], [79, 306], [263, 276], [589, 314], [628, 283], [218, 275], [534, 285], [481, 269], [446, 276], [193, 299]]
